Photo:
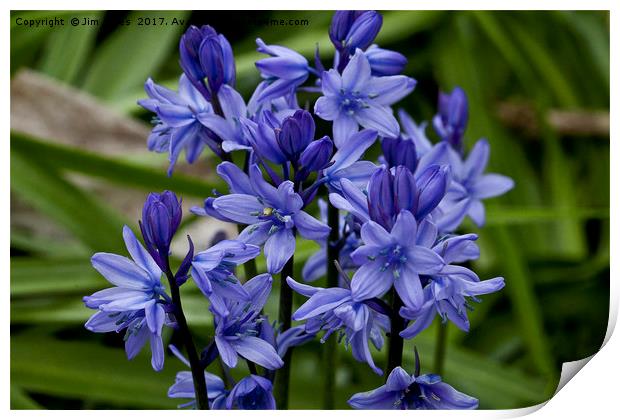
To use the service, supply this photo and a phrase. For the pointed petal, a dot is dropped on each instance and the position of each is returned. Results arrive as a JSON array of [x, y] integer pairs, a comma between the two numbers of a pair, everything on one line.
[[278, 249]]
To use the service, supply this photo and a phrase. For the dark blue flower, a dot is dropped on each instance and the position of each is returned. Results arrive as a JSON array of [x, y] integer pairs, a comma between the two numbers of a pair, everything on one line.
[[357, 98], [408, 392], [252, 393], [183, 386], [207, 60], [136, 302], [350, 30], [161, 217], [399, 151], [213, 271], [317, 156], [334, 309], [451, 120], [237, 327], [272, 214], [385, 62], [283, 71], [177, 125]]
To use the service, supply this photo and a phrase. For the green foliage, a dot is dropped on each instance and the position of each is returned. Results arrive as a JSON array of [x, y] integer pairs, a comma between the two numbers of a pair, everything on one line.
[[549, 237]]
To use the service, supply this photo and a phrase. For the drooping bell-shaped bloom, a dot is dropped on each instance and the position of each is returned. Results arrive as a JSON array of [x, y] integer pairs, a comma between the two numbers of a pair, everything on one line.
[[252, 393], [385, 62], [183, 386], [283, 71], [161, 217], [409, 392], [357, 98], [136, 302], [207, 60], [177, 126], [451, 119], [335, 309], [272, 214], [393, 258], [469, 187], [237, 328], [447, 292], [213, 271]]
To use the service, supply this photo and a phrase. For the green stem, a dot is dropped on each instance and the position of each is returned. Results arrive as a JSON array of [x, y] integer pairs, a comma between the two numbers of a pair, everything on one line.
[[440, 347], [198, 373], [330, 352], [286, 308], [395, 343]]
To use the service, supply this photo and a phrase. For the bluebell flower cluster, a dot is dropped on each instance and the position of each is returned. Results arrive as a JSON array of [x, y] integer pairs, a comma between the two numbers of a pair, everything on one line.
[[397, 226]]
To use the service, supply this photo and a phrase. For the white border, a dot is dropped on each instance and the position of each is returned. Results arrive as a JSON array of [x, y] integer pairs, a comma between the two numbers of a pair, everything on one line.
[[593, 395]]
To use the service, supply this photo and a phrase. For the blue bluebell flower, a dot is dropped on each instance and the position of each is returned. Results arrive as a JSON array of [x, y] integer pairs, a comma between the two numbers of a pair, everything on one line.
[[451, 120], [447, 292], [283, 71], [228, 126], [237, 328], [213, 271], [272, 214], [337, 309], [393, 258], [177, 126], [357, 98], [161, 217], [469, 187], [135, 303], [409, 392], [385, 62], [399, 151], [252, 393], [183, 386], [207, 60], [346, 163], [316, 156]]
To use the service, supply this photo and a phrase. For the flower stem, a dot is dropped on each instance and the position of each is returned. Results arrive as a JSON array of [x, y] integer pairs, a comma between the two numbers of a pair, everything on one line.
[[440, 347], [330, 353], [286, 308], [395, 343], [198, 373]]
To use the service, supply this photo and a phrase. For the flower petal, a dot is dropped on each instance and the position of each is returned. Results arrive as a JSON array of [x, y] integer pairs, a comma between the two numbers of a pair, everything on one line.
[[279, 248], [121, 271], [238, 207], [258, 351], [370, 281], [309, 227]]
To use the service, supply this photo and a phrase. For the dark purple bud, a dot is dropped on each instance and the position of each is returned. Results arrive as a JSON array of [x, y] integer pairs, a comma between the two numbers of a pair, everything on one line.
[[363, 31], [340, 26], [296, 134], [399, 151], [209, 354], [161, 217], [432, 184], [381, 197], [405, 190], [207, 59], [385, 62], [317, 155], [451, 120], [182, 275]]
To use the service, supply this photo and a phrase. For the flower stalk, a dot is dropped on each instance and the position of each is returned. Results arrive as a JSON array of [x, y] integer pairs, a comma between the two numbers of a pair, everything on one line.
[[198, 376], [330, 352], [395, 342], [284, 315], [441, 347]]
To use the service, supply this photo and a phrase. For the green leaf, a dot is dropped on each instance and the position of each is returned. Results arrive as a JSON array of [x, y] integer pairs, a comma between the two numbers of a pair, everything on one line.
[[90, 371], [20, 400], [81, 214], [67, 49], [132, 54], [114, 170]]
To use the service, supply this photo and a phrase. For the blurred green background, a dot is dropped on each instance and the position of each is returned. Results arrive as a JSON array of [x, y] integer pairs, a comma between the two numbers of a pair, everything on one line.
[[538, 85]]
